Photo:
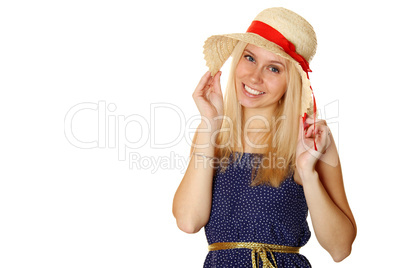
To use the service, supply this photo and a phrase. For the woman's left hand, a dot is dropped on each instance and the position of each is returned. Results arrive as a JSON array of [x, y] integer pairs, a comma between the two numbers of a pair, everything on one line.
[[306, 155]]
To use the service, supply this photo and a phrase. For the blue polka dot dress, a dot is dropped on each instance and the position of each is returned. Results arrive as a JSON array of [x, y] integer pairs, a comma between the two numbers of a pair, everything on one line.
[[262, 214]]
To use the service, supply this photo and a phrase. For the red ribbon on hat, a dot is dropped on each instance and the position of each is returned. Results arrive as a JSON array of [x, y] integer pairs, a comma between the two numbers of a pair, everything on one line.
[[274, 36]]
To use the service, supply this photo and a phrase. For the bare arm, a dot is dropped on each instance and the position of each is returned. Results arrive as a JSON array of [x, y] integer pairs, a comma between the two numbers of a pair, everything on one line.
[[332, 218], [193, 198]]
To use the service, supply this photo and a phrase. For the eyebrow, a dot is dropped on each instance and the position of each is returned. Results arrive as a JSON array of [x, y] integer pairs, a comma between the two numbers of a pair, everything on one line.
[[272, 61]]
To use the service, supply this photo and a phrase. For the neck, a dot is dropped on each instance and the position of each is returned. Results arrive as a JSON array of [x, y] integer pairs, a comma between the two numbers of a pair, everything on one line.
[[256, 123], [258, 117]]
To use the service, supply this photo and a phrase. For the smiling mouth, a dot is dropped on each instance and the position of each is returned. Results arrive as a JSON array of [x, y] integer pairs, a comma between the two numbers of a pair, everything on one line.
[[252, 91]]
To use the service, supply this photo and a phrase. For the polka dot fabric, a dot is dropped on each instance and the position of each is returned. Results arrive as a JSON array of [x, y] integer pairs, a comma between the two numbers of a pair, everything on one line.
[[263, 214]]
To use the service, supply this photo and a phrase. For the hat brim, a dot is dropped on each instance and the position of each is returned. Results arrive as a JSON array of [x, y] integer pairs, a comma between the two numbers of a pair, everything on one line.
[[218, 48]]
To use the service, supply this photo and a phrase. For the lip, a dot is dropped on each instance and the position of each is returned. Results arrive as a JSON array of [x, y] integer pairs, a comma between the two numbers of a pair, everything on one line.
[[250, 95]]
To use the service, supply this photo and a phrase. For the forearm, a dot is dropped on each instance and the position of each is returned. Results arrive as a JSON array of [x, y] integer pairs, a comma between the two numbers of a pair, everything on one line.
[[334, 230], [193, 198]]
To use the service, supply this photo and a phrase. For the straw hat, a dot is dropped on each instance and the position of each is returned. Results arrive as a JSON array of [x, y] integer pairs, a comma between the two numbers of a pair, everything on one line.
[[278, 30]]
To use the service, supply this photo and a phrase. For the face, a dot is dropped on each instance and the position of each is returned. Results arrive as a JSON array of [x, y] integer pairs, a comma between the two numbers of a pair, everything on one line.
[[261, 78]]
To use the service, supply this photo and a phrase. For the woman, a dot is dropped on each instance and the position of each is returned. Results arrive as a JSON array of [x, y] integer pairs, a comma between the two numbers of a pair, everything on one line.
[[258, 161]]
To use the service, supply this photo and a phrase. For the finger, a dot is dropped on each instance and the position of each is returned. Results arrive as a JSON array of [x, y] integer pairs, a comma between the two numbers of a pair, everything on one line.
[[311, 130], [216, 83], [314, 130], [321, 130], [205, 80], [323, 138], [327, 134], [308, 144], [306, 137], [310, 120], [202, 85]]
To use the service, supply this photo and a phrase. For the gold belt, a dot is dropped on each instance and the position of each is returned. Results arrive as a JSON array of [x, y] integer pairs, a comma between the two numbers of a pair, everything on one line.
[[259, 248]]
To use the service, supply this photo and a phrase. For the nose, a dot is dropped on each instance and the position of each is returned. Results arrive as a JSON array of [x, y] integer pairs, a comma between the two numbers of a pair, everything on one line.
[[255, 76]]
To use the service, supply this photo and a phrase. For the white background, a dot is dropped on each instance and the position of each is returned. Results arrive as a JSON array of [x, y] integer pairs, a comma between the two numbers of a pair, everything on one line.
[[65, 206]]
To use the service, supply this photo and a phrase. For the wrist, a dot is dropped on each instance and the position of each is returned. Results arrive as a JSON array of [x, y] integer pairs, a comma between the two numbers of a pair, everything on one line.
[[208, 130], [205, 141], [209, 126], [307, 174]]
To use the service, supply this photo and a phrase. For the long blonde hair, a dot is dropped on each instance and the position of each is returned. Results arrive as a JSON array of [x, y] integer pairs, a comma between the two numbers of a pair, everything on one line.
[[281, 140]]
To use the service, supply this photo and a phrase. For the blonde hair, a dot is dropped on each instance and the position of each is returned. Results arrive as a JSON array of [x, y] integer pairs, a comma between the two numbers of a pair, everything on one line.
[[281, 140]]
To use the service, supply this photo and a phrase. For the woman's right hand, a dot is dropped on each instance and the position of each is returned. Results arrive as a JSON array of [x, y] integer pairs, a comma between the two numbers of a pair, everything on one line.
[[209, 100]]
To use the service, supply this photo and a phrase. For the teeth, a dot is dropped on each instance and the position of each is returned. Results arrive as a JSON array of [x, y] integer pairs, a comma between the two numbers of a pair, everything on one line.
[[253, 91]]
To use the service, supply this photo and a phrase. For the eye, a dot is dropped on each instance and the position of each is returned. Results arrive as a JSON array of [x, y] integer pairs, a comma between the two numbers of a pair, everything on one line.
[[273, 69], [249, 58]]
